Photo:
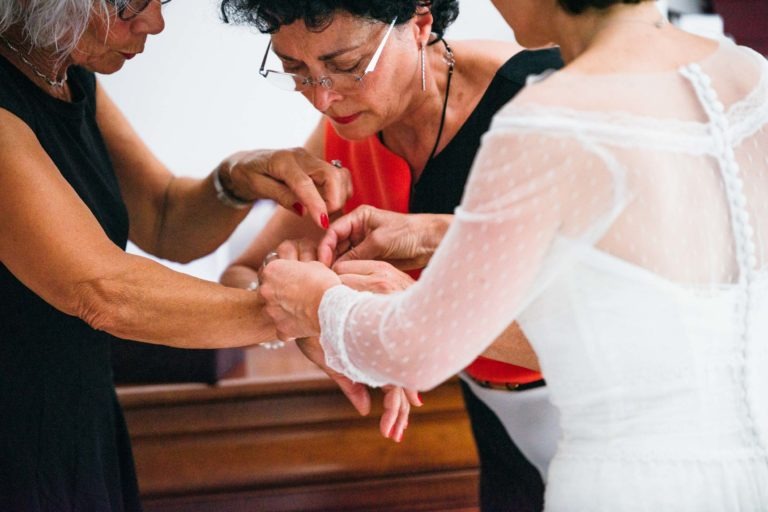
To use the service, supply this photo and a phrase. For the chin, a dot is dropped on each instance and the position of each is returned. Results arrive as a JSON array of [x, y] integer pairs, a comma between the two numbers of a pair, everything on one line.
[[354, 131], [105, 66]]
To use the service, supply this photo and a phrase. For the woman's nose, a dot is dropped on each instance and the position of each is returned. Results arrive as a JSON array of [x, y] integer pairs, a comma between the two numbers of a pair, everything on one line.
[[150, 20], [321, 97]]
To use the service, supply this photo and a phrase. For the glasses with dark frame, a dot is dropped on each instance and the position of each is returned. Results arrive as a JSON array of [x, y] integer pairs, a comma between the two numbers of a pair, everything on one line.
[[133, 8], [339, 82]]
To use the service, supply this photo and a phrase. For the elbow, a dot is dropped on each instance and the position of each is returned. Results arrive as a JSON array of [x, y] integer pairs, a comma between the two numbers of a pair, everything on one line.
[[97, 302]]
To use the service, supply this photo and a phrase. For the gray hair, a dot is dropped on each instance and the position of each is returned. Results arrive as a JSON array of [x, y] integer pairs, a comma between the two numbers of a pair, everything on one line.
[[55, 24]]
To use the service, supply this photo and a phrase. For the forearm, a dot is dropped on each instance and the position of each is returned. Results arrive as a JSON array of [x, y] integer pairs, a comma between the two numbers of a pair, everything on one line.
[[193, 222], [142, 300], [513, 347]]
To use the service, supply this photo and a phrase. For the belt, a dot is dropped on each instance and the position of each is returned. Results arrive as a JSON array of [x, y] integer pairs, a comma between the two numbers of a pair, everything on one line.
[[508, 386]]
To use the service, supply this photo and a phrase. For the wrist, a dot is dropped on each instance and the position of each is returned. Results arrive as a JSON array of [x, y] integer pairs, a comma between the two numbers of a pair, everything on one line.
[[222, 183], [437, 227]]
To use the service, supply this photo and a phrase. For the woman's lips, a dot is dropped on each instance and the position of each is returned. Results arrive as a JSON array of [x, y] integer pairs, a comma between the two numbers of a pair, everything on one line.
[[346, 119], [128, 56]]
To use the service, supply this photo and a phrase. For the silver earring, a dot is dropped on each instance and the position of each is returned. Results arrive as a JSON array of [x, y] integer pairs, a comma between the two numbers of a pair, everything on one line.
[[423, 68]]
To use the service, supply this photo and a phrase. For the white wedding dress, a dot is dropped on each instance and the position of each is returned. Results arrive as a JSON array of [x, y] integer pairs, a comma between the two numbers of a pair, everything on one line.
[[623, 221]]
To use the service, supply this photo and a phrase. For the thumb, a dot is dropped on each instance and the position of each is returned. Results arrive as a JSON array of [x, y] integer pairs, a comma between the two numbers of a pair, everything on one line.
[[366, 250], [356, 393]]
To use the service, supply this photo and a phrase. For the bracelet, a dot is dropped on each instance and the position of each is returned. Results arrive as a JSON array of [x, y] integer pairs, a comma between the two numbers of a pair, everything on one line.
[[227, 197], [269, 345]]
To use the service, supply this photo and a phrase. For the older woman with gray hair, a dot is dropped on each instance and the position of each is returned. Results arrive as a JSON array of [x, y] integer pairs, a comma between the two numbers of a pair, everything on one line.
[[76, 182]]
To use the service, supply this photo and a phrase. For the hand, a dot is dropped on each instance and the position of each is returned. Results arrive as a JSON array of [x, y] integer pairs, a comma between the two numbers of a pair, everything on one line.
[[372, 276], [397, 401], [303, 249], [405, 240], [294, 178], [292, 291]]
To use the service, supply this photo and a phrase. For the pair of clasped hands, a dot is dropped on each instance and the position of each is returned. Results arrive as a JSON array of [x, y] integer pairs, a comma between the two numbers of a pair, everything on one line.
[[367, 250]]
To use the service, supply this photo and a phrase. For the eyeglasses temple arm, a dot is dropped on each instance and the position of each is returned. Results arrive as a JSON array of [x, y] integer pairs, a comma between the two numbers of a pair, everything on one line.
[[264, 60], [375, 59]]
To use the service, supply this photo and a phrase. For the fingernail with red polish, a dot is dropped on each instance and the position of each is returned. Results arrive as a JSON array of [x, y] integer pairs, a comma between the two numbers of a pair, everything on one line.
[[299, 208], [324, 221]]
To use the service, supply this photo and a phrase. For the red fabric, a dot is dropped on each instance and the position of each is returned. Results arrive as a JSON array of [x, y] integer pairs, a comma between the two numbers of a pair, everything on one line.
[[492, 370], [382, 179]]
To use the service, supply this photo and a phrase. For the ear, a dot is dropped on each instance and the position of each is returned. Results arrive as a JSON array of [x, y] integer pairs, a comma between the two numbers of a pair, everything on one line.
[[422, 26]]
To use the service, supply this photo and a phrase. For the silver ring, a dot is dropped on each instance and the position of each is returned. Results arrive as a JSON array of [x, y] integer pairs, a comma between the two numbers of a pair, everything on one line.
[[337, 164], [269, 258]]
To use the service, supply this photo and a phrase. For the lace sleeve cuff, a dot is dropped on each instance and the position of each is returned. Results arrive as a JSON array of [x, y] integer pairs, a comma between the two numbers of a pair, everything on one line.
[[334, 311]]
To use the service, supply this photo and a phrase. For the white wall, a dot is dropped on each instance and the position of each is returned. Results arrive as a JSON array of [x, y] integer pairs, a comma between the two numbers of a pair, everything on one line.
[[195, 96]]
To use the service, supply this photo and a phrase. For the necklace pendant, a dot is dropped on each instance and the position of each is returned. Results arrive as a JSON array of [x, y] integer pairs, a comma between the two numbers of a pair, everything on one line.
[[448, 57]]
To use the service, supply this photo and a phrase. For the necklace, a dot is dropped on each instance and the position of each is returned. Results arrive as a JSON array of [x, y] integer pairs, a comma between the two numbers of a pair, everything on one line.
[[53, 83], [451, 61]]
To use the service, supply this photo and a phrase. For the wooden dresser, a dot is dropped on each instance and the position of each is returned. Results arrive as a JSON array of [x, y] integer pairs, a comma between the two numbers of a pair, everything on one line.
[[280, 436]]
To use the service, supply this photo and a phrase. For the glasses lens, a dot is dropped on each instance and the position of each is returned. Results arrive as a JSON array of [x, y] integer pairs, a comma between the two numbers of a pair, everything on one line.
[[346, 83], [286, 81], [133, 8]]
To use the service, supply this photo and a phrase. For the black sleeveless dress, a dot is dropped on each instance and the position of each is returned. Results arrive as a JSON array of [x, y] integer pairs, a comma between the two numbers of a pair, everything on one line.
[[508, 481], [63, 441]]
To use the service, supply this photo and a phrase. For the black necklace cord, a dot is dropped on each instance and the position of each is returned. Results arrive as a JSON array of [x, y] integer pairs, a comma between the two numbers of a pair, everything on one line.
[[449, 59]]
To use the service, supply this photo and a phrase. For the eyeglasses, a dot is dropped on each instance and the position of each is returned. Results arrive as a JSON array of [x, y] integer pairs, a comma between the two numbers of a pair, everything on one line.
[[133, 8], [339, 82]]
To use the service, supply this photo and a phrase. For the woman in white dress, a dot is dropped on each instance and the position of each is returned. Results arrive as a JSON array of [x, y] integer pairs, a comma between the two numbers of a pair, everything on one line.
[[618, 209]]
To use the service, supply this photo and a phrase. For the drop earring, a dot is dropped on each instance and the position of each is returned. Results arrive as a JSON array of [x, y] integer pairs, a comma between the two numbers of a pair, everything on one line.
[[423, 68]]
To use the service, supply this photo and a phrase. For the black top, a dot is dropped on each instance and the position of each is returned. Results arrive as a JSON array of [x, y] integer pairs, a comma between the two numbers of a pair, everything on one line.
[[63, 441], [441, 184]]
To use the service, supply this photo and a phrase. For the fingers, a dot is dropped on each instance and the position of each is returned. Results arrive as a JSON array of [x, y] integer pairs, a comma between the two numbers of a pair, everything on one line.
[[394, 420], [356, 393], [293, 169], [326, 249], [335, 183], [374, 276], [294, 178], [364, 267], [414, 397], [304, 249]]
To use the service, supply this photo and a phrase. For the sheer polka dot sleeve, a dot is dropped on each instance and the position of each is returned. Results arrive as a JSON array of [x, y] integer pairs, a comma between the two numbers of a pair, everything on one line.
[[655, 178], [531, 201]]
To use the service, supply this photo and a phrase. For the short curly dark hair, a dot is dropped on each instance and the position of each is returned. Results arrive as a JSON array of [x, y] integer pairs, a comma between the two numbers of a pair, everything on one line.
[[579, 6], [269, 15]]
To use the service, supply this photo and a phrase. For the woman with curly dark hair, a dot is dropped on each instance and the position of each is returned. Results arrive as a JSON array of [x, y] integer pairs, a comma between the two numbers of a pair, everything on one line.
[[404, 111], [617, 211]]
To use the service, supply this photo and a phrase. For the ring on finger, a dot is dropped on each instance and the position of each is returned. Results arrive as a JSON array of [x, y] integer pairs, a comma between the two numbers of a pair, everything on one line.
[[337, 163], [269, 258]]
